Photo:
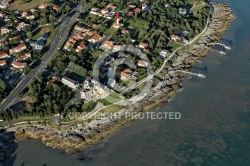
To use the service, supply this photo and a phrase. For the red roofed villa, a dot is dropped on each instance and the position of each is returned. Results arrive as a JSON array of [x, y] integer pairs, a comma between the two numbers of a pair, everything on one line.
[[18, 65]]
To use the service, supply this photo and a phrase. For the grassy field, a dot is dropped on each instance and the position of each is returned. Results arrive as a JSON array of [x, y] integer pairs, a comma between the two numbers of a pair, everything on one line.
[[112, 109], [173, 45], [110, 99], [197, 2], [138, 24], [40, 32], [197, 8], [20, 5]]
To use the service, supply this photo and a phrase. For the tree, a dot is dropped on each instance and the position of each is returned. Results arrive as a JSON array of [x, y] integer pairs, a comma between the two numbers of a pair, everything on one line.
[[43, 21], [52, 18], [29, 35], [2, 85]]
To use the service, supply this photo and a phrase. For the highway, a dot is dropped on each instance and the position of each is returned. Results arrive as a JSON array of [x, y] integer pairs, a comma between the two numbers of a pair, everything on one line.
[[60, 36]]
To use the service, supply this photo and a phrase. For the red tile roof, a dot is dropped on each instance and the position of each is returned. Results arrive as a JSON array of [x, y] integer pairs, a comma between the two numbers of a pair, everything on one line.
[[18, 64], [3, 55], [3, 62]]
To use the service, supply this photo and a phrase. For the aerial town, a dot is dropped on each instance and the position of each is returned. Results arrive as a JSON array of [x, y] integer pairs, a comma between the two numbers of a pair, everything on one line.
[[28, 36], [73, 72]]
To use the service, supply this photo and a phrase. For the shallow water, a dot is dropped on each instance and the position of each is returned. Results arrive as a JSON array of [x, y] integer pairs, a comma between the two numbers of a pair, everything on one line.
[[214, 128]]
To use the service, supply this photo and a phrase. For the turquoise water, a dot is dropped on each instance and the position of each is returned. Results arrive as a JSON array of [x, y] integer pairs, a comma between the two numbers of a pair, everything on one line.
[[215, 124]]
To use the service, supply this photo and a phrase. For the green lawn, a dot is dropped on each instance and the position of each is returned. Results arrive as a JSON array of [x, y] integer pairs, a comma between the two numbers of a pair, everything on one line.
[[20, 5], [111, 31], [173, 45], [195, 9], [112, 109], [110, 99], [138, 24], [88, 106]]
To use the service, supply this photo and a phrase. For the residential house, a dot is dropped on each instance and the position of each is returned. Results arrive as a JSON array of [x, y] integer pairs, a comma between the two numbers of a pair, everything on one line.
[[24, 14], [4, 31], [95, 38], [182, 11], [4, 55], [23, 57], [145, 7], [6, 18], [80, 47], [143, 45], [68, 45], [79, 28], [19, 65], [70, 82], [56, 8], [20, 26], [185, 41], [53, 80], [14, 38], [3, 63], [42, 6], [174, 37], [39, 44], [117, 48], [33, 10], [137, 10], [111, 6], [131, 5], [128, 71], [167, 5], [164, 53], [124, 76], [107, 44], [30, 17], [17, 49], [94, 9], [124, 31], [4, 5], [142, 63], [104, 11]]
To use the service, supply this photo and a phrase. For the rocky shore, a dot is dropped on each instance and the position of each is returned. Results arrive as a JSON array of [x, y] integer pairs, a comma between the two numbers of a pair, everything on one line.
[[75, 139], [7, 145]]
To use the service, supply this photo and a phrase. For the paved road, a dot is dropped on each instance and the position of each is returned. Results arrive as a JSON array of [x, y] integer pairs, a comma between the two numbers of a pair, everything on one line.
[[61, 35]]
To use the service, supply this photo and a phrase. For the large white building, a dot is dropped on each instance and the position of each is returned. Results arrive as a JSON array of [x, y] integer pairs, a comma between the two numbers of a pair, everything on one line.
[[93, 91], [70, 82]]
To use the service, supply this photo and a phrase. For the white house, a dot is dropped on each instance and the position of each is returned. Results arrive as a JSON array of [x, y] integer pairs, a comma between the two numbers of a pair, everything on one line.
[[164, 53], [142, 63], [70, 82], [182, 11]]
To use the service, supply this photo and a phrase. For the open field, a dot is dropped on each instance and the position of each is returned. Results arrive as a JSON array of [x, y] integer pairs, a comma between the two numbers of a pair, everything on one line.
[[40, 32], [110, 99], [173, 45], [20, 5], [112, 109]]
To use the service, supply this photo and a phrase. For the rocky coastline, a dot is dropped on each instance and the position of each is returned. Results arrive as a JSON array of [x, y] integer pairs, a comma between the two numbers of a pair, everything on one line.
[[75, 139]]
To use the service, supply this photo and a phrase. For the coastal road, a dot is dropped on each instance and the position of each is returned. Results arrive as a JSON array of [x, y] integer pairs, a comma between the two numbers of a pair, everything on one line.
[[60, 36]]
